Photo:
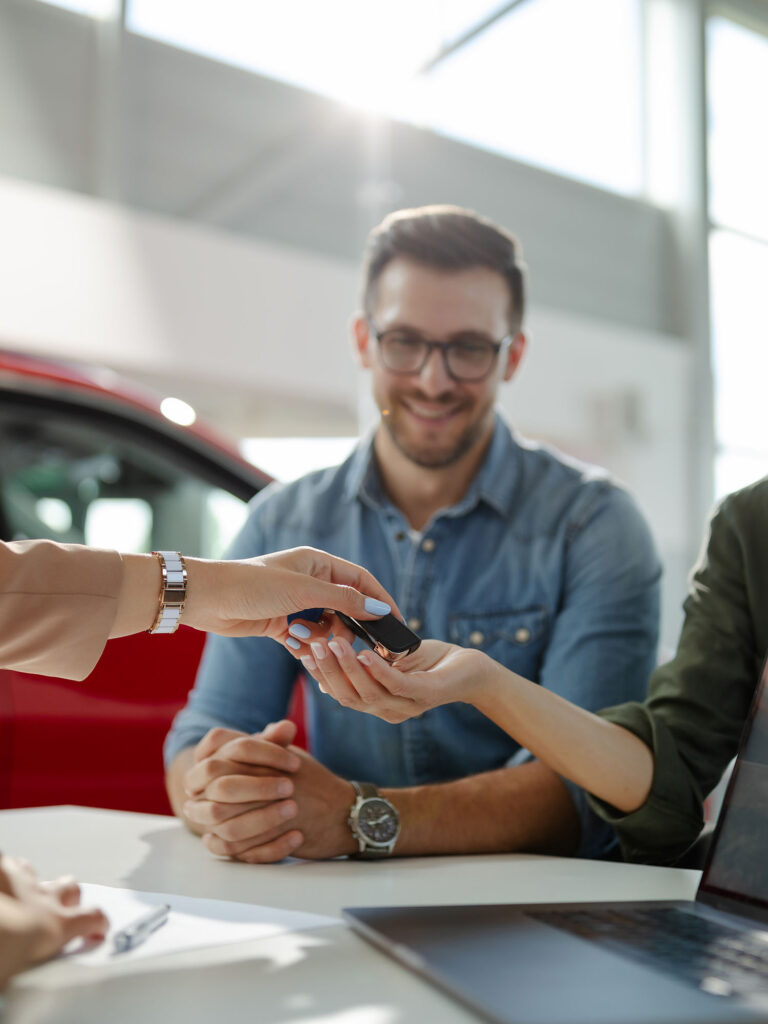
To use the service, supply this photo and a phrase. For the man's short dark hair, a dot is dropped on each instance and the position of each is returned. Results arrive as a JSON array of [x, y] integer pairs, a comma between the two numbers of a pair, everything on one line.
[[446, 238]]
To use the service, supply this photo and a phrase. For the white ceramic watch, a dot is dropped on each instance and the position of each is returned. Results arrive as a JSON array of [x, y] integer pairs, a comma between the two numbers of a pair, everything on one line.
[[173, 592]]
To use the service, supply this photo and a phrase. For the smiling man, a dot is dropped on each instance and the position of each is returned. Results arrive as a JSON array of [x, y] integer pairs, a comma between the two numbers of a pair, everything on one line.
[[485, 539]]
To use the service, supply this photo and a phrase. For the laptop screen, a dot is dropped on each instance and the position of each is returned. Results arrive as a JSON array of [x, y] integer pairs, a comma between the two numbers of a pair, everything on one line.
[[738, 864]]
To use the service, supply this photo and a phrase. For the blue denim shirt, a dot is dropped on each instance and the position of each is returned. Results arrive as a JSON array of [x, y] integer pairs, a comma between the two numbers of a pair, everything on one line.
[[545, 564]]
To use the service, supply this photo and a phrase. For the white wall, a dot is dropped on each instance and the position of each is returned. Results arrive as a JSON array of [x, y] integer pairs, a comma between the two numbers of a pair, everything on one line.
[[164, 299], [255, 335]]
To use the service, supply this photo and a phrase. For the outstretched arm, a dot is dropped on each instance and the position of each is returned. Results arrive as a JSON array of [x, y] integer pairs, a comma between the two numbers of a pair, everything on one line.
[[252, 596], [59, 603], [602, 758]]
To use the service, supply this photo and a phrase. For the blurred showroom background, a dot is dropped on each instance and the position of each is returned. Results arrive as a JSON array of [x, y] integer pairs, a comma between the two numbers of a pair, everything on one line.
[[186, 187]]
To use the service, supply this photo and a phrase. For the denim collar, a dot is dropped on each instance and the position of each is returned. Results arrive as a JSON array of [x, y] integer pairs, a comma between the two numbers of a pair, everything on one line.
[[495, 483]]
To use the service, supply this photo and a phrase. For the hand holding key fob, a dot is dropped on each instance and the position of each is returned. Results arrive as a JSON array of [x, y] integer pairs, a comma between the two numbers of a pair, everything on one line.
[[390, 638]]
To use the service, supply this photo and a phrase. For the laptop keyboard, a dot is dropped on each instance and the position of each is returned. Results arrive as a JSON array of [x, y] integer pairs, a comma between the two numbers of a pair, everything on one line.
[[721, 960]]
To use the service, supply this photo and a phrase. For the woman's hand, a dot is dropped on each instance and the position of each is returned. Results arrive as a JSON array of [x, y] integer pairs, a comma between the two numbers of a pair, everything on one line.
[[254, 596], [37, 919], [437, 673], [597, 755]]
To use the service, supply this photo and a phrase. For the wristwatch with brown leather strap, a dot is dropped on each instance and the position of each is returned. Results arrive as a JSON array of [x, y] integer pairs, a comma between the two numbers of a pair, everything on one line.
[[374, 821]]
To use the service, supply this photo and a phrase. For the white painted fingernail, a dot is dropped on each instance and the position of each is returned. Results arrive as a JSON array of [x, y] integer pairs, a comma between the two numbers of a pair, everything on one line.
[[336, 648], [319, 651]]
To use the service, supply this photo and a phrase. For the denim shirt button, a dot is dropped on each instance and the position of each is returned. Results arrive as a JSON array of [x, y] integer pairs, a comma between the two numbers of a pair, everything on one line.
[[414, 624], [522, 635], [476, 637], [427, 544]]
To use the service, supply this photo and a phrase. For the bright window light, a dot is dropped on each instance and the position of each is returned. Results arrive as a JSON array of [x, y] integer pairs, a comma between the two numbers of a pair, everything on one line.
[[102, 9], [287, 458], [555, 83], [552, 82], [350, 50], [739, 271], [123, 523], [738, 140], [225, 515], [734, 471], [738, 152], [55, 513]]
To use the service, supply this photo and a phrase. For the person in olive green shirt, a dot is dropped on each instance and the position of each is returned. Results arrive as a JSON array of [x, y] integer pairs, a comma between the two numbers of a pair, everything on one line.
[[648, 766], [698, 702]]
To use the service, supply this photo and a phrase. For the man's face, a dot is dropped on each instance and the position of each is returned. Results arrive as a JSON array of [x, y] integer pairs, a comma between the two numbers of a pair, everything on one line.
[[432, 419]]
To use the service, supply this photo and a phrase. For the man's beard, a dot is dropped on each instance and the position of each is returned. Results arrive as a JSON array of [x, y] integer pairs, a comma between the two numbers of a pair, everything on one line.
[[431, 457]]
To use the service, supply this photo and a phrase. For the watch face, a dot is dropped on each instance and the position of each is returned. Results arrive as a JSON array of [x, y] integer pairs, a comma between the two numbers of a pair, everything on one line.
[[377, 820]]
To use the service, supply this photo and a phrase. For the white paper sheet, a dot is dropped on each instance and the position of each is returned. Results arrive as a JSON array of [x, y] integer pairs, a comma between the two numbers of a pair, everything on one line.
[[192, 923]]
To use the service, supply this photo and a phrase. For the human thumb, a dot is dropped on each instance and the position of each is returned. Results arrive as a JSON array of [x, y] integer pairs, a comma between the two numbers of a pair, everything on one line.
[[352, 602], [283, 732]]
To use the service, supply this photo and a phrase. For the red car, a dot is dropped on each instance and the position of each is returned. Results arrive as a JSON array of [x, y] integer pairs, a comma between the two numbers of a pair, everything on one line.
[[88, 458]]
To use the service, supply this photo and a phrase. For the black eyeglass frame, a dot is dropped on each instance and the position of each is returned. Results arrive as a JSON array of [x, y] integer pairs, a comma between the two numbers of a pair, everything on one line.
[[443, 348]]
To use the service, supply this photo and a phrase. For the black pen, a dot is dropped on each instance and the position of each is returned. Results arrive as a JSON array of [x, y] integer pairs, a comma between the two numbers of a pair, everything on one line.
[[134, 934]]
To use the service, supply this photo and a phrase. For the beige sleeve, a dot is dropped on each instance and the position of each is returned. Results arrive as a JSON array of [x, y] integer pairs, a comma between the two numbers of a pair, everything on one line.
[[57, 606]]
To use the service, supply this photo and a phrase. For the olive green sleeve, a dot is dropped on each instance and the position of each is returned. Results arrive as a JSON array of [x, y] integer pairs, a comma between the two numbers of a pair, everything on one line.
[[698, 702]]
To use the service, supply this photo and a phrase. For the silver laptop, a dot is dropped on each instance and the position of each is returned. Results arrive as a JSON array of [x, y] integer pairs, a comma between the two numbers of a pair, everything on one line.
[[613, 963]]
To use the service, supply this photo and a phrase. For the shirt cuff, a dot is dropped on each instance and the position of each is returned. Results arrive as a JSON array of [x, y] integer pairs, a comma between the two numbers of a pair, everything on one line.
[[671, 818], [598, 839]]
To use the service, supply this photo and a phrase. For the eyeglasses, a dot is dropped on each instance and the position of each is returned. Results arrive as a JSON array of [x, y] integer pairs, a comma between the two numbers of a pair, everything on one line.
[[466, 357]]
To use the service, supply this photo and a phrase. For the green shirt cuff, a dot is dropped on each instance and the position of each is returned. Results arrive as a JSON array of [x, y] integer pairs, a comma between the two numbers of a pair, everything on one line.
[[670, 820]]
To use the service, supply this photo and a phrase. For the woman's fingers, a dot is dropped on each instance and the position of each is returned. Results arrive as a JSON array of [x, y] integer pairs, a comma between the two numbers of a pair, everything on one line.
[[358, 582], [364, 682], [341, 675], [83, 922], [336, 669], [304, 631], [65, 890]]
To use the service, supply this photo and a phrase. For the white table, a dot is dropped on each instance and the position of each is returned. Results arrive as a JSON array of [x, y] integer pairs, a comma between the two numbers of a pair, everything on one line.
[[325, 976]]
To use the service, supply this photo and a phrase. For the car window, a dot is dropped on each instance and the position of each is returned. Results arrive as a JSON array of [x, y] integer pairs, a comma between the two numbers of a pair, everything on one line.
[[85, 479]]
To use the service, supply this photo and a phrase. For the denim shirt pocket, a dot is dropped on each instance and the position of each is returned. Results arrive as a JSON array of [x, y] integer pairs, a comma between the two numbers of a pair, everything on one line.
[[515, 637]]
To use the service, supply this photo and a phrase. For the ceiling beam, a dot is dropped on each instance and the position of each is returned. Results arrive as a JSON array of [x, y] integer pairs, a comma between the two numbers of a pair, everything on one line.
[[471, 33]]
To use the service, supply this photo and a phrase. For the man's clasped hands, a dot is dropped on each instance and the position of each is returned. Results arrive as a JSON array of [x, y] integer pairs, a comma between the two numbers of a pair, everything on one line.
[[257, 798]]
